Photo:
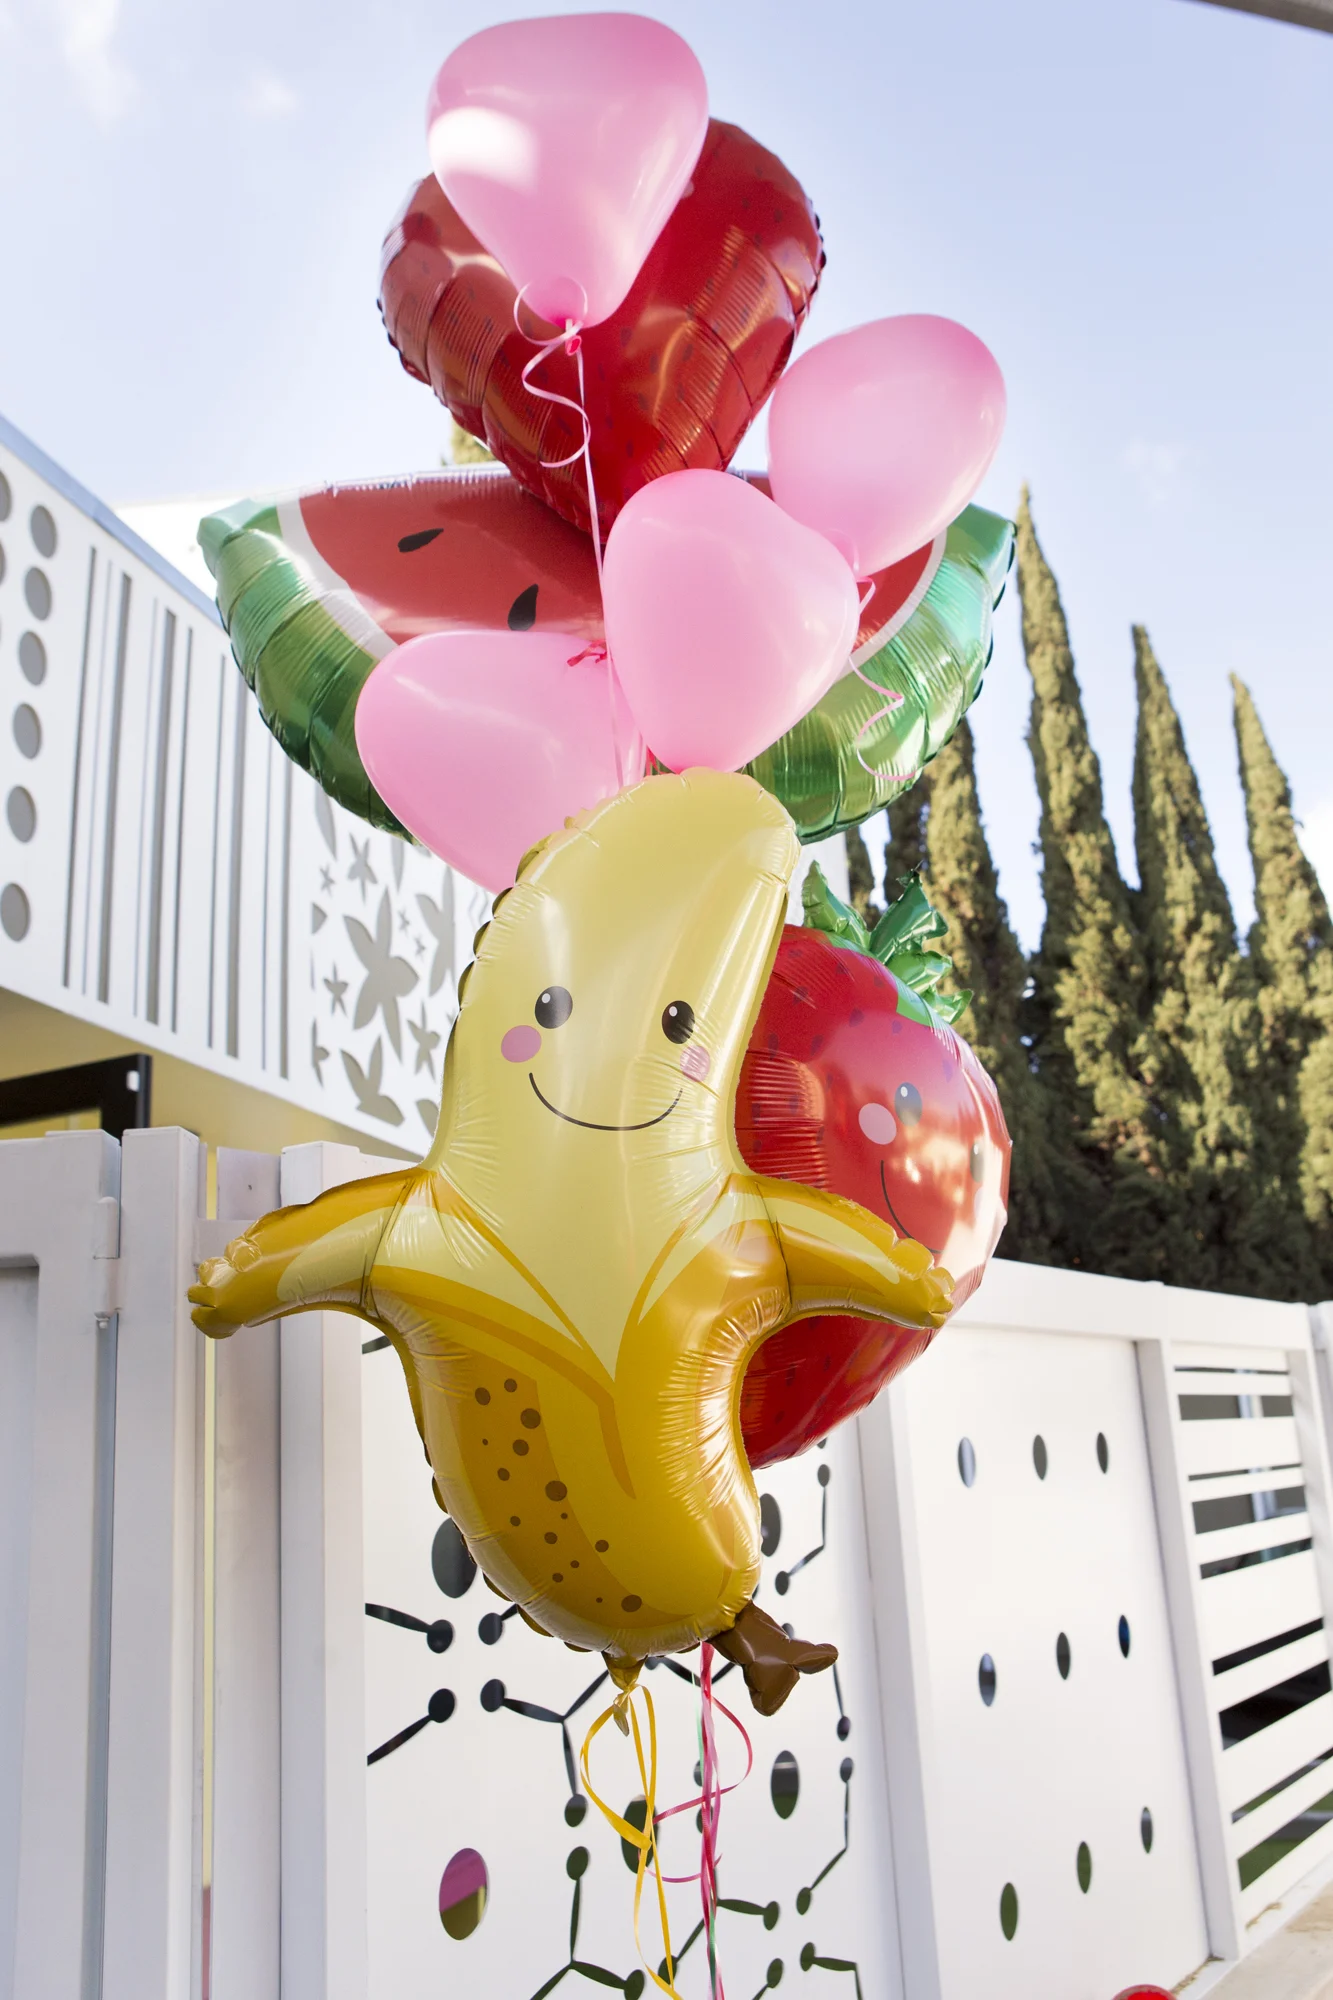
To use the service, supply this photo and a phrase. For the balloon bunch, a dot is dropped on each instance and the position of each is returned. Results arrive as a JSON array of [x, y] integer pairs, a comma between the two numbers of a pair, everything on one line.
[[700, 1183], [604, 285]]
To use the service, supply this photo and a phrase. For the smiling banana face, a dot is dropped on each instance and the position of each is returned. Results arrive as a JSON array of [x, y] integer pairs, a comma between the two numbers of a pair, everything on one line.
[[594, 1063]]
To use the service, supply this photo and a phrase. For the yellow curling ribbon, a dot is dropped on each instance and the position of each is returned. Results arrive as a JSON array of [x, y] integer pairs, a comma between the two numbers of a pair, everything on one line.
[[644, 1838]]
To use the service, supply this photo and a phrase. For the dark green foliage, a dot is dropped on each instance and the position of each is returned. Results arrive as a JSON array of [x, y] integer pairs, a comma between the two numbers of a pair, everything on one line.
[[1169, 1095], [1092, 1033], [861, 878], [939, 824], [1291, 948], [1229, 1142]]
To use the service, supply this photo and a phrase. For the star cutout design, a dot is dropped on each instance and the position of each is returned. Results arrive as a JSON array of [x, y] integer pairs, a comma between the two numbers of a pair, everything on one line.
[[387, 978], [439, 921], [361, 870], [366, 1083], [318, 1055], [418, 944], [404, 921], [326, 879], [427, 1042], [337, 988]]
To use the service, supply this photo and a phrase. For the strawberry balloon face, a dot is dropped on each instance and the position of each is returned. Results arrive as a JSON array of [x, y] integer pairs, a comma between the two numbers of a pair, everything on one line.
[[853, 1083]]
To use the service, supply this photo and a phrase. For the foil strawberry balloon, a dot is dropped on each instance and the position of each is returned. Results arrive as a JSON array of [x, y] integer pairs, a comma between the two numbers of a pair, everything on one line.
[[856, 1081]]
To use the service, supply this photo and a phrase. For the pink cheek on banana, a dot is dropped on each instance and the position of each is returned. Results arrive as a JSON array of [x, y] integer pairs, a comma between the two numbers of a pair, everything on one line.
[[696, 1063], [520, 1044], [878, 1123]]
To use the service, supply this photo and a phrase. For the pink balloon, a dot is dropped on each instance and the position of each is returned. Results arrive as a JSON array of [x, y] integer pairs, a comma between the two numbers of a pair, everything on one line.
[[484, 742], [726, 619], [565, 144], [880, 437]]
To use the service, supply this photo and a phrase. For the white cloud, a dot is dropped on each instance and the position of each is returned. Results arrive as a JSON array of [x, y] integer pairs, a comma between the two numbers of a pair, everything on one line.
[[1317, 840], [104, 80], [1155, 467], [267, 96]]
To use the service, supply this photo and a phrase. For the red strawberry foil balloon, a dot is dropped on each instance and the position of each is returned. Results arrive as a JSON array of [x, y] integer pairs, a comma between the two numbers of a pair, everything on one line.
[[675, 376], [855, 1081]]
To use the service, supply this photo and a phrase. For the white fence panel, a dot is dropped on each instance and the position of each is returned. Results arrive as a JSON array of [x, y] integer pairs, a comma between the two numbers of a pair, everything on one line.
[[264, 1736], [1044, 1787], [58, 1229]]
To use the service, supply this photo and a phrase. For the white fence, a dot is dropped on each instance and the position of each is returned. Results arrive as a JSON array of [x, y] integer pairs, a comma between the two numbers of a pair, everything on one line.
[[262, 1728]]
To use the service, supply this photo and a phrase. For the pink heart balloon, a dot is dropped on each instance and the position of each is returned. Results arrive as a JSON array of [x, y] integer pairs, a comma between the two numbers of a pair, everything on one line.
[[484, 742], [880, 437], [726, 619], [565, 144]]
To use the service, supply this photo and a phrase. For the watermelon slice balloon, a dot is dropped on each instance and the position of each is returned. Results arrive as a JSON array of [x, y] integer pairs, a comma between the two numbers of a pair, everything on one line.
[[316, 588], [856, 1081]]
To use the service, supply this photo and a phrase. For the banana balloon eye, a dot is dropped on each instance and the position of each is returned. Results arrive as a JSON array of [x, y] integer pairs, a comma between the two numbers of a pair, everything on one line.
[[678, 1021], [554, 1007]]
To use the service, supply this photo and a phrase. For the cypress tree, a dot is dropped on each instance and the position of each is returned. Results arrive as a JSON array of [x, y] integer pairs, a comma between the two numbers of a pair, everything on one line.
[[907, 817], [1239, 1231], [1291, 947], [861, 879], [943, 829], [1092, 1036]]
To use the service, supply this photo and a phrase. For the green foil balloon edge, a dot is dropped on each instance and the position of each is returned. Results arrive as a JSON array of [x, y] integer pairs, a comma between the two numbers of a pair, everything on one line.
[[305, 667], [934, 664]]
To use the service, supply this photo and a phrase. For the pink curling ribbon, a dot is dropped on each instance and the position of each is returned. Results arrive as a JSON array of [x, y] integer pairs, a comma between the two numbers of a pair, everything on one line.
[[892, 700], [571, 339], [709, 1807]]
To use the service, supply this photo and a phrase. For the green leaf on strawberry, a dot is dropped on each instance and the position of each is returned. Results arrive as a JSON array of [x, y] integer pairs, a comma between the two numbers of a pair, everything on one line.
[[897, 940]]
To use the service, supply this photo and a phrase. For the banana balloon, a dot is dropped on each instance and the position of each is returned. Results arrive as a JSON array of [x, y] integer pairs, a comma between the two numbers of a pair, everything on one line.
[[577, 1275]]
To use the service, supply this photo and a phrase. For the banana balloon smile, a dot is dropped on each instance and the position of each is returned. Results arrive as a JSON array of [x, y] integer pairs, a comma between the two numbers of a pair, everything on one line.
[[574, 1320]]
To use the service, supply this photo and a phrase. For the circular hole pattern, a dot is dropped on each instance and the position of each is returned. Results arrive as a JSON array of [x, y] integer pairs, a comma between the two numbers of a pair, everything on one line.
[[1083, 1864], [986, 1679], [21, 813], [770, 1524], [492, 1696], [451, 1565], [1039, 1458], [576, 1863], [784, 1784], [576, 1807], [43, 531], [6, 498], [27, 730], [1103, 1452], [490, 1629], [1009, 1909], [440, 1636], [967, 1461], [463, 1888], [15, 912], [1145, 1830], [1062, 1656], [37, 593], [1122, 1632], [441, 1705], [773, 1977], [32, 658]]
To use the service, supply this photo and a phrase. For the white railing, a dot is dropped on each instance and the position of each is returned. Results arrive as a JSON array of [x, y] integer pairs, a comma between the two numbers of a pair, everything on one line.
[[1077, 1562], [165, 872]]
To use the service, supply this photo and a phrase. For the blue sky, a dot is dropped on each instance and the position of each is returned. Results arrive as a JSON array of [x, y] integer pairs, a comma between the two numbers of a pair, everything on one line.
[[1127, 199]]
